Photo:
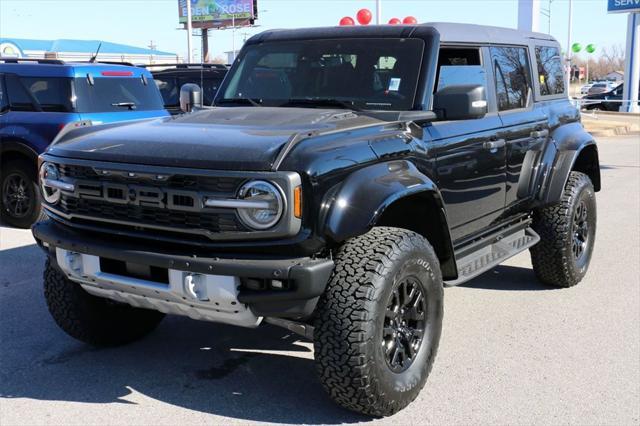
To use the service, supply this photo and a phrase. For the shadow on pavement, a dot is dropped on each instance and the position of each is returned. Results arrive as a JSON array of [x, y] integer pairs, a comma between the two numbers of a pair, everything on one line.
[[200, 366], [510, 278], [263, 374]]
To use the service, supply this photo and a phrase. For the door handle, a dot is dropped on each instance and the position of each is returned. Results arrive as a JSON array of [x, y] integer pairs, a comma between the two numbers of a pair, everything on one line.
[[494, 145], [540, 133]]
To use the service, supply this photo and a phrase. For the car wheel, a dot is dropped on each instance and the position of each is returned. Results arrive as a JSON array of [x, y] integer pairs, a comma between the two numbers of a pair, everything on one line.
[[567, 234], [20, 204], [378, 324]]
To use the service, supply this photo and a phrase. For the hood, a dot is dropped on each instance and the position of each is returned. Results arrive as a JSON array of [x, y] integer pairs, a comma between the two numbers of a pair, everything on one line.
[[232, 138]]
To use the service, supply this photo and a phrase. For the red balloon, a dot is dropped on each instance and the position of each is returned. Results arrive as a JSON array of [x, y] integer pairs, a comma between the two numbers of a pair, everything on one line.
[[394, 21], [409, 20], [364, 16], [347, 20]]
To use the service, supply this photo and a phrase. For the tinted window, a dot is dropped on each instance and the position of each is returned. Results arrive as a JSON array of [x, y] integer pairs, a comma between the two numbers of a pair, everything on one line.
[[117, 94], [39, 93], [513, 79], [346, 70], [549, 70], [459, 66]]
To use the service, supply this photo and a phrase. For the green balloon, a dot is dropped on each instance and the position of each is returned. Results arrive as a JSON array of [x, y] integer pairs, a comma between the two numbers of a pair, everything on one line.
[[590, 48], [576, 47]]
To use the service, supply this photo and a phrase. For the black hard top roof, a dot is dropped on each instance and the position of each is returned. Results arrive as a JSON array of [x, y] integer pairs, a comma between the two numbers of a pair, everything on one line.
[[448, 32]]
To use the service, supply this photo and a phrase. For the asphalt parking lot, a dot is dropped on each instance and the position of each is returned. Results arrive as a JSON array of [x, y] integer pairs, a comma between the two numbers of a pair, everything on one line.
[[512, 352]]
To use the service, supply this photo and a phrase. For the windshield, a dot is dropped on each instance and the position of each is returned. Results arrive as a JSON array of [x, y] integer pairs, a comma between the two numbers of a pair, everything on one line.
[[116, 94], [359, 73]]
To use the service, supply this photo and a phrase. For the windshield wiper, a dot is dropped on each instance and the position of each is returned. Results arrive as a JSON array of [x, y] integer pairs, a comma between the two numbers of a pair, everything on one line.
[[242, 101], [129, 105], [322, 103]]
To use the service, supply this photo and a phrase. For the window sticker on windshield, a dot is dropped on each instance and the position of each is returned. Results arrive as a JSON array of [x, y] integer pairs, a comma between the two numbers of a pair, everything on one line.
[[394, 84]]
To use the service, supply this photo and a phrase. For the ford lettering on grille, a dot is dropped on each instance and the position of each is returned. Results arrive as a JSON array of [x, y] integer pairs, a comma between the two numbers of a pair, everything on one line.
[[140, 195]]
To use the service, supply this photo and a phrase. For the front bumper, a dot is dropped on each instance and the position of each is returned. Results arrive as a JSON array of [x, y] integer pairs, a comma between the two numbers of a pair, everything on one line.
[[304, 279]]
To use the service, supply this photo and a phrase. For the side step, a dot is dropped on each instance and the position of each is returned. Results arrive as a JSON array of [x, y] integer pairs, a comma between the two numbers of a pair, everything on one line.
[[483, 259]]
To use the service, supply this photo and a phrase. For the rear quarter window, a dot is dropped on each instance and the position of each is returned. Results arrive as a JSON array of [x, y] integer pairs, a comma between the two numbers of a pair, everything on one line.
[[49, 94], [550, 74]]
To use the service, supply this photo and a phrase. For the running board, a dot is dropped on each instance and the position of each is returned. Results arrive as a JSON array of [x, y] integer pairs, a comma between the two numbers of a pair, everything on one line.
[[477, 262]]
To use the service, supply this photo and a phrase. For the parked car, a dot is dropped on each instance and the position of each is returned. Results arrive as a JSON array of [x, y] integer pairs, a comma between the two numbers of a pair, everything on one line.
[[601, 87], [606, 101], [171, 77], [585, 89], [38, 98], [345, 176]]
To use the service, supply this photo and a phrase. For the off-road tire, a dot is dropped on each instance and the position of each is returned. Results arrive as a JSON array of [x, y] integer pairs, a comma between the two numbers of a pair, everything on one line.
[[554, 262], [25, 171], [350, 316], [91, 319]]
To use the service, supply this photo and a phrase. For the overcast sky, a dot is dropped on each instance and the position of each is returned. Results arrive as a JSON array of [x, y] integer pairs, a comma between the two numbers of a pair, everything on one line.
[[138, 22]]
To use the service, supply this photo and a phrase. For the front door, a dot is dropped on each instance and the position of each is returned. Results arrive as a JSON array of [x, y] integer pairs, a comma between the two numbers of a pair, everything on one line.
[[470, 154]]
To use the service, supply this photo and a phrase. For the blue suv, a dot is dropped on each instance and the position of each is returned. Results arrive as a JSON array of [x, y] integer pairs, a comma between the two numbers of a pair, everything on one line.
[[38, 98]]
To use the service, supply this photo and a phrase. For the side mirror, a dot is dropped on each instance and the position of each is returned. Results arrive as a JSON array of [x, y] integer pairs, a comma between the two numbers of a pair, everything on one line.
[[460, 102], [190, 97]]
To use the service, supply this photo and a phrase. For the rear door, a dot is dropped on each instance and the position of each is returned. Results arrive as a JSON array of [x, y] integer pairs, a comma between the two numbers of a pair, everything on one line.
[[524, 123], [470, 164]]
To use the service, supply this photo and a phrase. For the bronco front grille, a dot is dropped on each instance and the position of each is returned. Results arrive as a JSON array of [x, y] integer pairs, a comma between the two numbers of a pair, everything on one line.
[[164, 202], [106, 214], [151, 217]]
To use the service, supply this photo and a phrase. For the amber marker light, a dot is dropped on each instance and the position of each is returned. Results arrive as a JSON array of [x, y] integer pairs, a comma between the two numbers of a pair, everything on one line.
[[297, 202]]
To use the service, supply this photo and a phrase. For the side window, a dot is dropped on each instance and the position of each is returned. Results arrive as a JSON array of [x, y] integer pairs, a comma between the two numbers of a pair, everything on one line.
[[52, 94], [513, 79], [459, 66], [19, 99], [550, 71]]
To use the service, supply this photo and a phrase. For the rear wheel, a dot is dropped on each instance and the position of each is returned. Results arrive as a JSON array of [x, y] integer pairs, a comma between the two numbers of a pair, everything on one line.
[[379, 321], [567, 234], [19, 196], [94, 320]]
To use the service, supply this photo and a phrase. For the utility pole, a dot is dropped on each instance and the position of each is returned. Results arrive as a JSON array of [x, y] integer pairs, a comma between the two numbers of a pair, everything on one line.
[[378, 12], [189, 30], [205, 45], [233, 36], [569, 46]]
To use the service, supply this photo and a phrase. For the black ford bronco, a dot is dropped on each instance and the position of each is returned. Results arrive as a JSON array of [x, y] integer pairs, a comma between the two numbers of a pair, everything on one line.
[[342, 179]]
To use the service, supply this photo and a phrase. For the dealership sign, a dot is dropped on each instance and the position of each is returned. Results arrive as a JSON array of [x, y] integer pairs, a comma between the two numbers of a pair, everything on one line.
[[216, 12], [617, 6]]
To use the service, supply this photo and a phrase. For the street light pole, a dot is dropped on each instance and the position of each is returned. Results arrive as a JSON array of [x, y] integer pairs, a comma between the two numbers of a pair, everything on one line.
[[378, 12], [189, 31]]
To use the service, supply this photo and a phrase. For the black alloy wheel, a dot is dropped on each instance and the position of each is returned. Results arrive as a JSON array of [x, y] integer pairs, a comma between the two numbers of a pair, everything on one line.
[[404, 324]]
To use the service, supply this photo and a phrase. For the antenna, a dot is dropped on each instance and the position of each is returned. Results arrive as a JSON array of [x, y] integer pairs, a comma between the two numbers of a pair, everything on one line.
[[95, 56]]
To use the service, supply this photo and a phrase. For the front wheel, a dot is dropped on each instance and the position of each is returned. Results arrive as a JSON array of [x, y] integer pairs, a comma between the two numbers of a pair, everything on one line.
[[379, 321], [19, 196], [91, 319], [567, 234]]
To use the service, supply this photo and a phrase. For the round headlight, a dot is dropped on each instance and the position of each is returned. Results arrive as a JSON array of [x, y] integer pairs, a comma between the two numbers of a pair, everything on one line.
[[49, 171], [268, 201]]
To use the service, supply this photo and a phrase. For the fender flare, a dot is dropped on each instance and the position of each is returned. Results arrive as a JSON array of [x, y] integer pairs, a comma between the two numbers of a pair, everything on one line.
[[358, 203], [18, 146], [569, 142]]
